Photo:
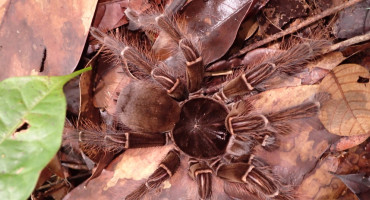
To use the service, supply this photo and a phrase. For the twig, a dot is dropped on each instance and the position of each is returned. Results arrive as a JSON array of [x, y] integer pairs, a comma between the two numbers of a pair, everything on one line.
[[296, 28], [349, 42]]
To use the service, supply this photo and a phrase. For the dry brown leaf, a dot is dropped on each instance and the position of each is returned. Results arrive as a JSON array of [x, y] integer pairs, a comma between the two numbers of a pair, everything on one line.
[[43, 37], [299, 150], [328, 61], [321, 184], [110, 14], [277, 14], [248, 28], [347, 112], [318, 69], [348, 142], [133, 167], [87, 109], [282, 98], [216, 23], [353, 21], [3, 7], [108, 86]]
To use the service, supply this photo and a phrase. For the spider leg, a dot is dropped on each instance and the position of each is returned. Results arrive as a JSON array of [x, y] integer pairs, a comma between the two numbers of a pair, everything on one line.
[[120, 140], [202, 174], [248, 129], [289, 62], [194, 61], [166, 169], [275, 122], [120, 49], [253, 175], [175, 88]]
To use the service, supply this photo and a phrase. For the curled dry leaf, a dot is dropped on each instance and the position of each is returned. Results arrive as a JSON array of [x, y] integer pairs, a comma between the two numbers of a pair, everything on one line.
[[347, 112], [72, 92], [216, 23], [349, 142]]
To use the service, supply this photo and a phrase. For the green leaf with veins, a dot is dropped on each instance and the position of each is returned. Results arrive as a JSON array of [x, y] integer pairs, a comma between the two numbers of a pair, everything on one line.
[[32, 114]]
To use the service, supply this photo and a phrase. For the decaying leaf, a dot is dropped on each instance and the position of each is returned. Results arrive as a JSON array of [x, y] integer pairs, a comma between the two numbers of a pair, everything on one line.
[[308, 141], [347, 112], [328, 61], [3, 7], [321, 184], [279, 13], [349, 142], [110, 14], [216, 23], [353, 21], [358, 184], [87, 109], [318, 69], [43, 37], [108, 86]]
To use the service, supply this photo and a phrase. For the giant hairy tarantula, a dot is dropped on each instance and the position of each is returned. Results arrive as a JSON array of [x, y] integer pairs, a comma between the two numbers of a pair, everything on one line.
[[218, 135]]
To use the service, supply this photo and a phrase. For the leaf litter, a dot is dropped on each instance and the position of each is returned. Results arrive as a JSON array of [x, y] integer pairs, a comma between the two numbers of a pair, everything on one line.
[[310, 155]]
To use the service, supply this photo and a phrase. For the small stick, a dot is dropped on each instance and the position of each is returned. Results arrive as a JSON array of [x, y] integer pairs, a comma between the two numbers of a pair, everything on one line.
[[346, 43], [296, 28]]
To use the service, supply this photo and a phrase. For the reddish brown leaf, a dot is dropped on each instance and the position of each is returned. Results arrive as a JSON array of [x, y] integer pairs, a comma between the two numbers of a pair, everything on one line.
[[72, 92], [353, 21], [110, 14], [110, 82], [87, 109], [299, 151], [44, 37], [3, 7], [358, 184], [279, 13], [320, 183], [216, 23], [349, 142]]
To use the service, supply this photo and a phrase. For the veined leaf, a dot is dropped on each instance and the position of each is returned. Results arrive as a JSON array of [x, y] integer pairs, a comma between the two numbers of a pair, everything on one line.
[[32, 113], [347, 112]]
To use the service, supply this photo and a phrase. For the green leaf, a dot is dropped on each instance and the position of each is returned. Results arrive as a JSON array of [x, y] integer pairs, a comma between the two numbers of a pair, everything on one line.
[[32, 114]]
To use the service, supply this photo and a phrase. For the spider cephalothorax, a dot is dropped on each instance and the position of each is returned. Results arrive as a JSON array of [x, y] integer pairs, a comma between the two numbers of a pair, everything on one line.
[[217, 134]]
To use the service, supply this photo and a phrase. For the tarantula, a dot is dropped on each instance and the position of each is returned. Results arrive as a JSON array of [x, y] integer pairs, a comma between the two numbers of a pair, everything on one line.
[[217, 132]]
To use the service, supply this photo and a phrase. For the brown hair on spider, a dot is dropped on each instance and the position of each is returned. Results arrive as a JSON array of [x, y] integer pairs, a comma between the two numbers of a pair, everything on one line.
[[163, 107]]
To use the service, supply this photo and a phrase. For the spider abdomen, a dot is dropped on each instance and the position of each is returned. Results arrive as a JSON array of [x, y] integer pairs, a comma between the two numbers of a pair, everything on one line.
[[144, 106], [200, 131]]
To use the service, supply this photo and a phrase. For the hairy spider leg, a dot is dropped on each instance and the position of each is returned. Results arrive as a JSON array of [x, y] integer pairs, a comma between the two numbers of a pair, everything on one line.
[[165, 170], [250, 176], [113, 141], [200, 172], [289, 62], [173, 85], [194, 61]]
